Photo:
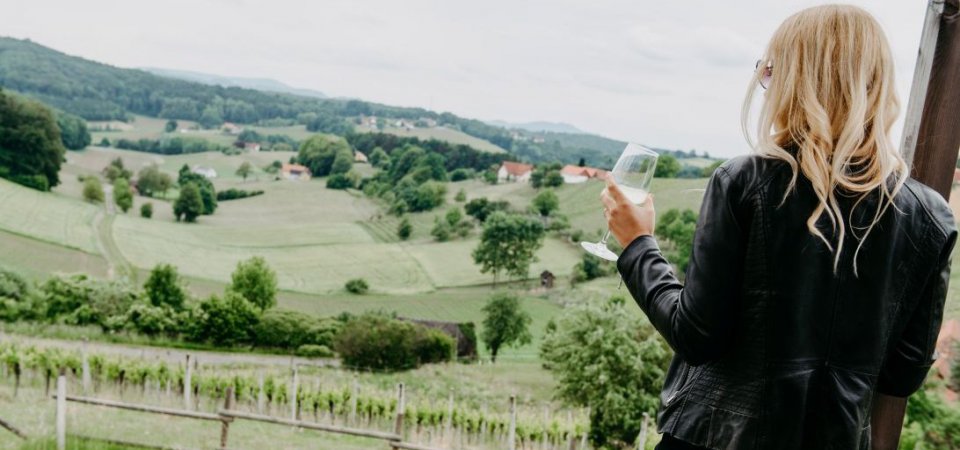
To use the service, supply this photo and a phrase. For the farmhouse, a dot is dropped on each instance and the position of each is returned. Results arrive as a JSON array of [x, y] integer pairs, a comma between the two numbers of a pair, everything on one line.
[[575, 174], [294, 172], [359, 157], [251, 147], [207, 172], [514, 171]]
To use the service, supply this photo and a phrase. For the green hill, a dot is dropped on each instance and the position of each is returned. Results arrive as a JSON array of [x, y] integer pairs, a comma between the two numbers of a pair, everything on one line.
[[102, 92]]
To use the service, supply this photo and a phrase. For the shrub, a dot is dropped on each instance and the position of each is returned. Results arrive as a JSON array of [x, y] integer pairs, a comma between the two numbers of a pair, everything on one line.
[[433, 346], [92, 190], [340, 181], [146, 210], [283, 329], [165, 287], [379, 342], [314, 351], [440, 231], [404, 229], [227, 320], [235, 194], [151, 320], [461, 174], [357, 286], [461, 196], [79, 300]]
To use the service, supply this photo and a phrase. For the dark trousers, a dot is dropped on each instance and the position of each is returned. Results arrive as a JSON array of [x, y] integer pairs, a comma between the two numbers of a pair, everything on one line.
[[671, 443]]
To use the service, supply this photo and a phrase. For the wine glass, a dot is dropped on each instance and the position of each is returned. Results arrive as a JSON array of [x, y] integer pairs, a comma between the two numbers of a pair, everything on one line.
[[633, 173]]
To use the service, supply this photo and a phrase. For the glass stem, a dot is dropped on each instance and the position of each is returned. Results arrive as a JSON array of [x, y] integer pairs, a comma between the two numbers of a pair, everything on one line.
[[606, 236]]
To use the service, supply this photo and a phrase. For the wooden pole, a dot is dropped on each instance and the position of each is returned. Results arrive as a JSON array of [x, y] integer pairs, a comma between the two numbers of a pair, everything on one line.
[[931, 142], [448, 431], [261, 395], [401, 406], [62, 410], [187, 387], [85, 367], [353, 401], [642, 439], [512, 434], [225, 421], [293, 393], [935, 98]]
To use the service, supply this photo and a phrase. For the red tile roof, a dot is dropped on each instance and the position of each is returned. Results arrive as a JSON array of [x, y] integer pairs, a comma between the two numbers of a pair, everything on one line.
[[517, 169], [588, 172], [294, 168]]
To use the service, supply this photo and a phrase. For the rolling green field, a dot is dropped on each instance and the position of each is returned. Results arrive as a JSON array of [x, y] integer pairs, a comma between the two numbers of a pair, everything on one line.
[[444, 134]]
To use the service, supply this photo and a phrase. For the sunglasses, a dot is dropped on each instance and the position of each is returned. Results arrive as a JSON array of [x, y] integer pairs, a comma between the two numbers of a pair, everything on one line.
[[767, 74]]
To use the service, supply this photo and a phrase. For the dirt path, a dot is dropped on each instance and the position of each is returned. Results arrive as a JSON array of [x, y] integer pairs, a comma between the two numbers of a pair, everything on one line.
[[171, 355]]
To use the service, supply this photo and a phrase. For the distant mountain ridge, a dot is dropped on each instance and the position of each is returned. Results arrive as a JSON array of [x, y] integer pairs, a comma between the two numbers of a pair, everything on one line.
[[98, 91], [539, 126], [260, 84]]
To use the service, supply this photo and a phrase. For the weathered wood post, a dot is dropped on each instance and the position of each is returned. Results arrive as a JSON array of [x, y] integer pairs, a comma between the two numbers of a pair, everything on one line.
[[187, 386], [401, 406], [642, 438], [448, 428], [931, 141], [85, 367], [62, 410], [294, 389], [261, 395], [224, 420], [512, 434]]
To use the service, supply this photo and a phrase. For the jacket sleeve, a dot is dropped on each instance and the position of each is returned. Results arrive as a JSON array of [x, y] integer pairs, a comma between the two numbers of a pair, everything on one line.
[[910, 355], [696, 320]]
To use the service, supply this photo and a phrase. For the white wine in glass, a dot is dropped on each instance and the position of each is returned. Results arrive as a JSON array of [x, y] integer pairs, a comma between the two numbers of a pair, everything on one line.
[[632, 173]]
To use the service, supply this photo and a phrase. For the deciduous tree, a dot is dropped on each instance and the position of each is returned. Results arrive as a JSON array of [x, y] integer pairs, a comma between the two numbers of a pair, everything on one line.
[[505, 324]]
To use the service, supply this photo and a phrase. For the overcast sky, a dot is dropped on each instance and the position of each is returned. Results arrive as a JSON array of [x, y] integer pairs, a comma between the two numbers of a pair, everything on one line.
[[665, 73]]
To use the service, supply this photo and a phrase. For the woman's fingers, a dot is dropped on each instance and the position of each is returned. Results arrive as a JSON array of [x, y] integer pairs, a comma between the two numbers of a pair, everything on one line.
[[608, 201]]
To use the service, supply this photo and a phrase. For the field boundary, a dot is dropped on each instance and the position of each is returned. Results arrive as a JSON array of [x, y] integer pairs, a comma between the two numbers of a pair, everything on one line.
[[226, 416]]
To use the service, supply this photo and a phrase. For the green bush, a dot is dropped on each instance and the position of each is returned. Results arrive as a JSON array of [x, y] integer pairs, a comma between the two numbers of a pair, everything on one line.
[[146, 210], [379, 342], [151, 320], [340, 181], [357, 286], [80, 300], [283, 329], [433, 346], [227, 320], [314, 351]]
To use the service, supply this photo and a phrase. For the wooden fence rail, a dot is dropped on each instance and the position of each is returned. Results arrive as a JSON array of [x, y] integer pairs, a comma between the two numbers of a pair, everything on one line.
[[227, 415]]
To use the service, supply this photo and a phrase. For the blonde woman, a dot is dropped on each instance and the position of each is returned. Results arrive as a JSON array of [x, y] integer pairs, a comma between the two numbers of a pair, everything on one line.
[[819, 267]]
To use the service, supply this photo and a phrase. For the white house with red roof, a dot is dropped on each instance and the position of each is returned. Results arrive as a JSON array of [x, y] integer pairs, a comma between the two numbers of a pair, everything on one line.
[[294, 172], [514, 171], [575, 174]]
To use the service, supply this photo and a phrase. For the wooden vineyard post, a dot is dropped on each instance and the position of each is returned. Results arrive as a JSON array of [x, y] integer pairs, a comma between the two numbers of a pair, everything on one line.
[[187, 386], [261, 395], [512, 434], [642, 438], [85, 368], [62, 410], [294, 401], [225, 421], [401, 405], [353, 402], [448, 431]]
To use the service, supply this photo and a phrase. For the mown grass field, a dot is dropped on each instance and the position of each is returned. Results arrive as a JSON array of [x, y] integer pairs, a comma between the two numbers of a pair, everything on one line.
[[443, 134]]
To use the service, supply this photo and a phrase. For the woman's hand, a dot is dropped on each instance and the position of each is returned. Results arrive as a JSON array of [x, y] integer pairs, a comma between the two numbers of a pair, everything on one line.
[[626, 220]]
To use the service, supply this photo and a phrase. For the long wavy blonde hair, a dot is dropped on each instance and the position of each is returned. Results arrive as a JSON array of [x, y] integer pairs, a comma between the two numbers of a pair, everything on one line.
[[827, 112]]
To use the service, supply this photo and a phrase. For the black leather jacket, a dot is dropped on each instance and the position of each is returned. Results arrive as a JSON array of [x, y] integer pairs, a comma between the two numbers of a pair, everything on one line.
[[775, 350]]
